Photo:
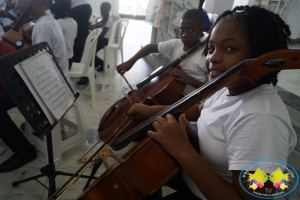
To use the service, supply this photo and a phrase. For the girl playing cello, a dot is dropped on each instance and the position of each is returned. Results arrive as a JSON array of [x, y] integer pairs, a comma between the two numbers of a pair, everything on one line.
[[239, 124]]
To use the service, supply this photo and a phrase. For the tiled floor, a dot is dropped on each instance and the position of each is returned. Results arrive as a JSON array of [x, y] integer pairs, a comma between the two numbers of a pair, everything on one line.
[[108, 88]]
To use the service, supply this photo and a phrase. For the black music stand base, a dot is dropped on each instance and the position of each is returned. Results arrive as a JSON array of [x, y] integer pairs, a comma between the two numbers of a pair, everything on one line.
[[48, 170]]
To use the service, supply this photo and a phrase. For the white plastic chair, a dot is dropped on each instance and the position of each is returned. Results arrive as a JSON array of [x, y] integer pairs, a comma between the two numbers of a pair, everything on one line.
[[115, 43], [86, 66]]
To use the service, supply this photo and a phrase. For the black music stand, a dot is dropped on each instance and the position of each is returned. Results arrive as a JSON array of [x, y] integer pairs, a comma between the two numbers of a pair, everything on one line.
[[30, 109]]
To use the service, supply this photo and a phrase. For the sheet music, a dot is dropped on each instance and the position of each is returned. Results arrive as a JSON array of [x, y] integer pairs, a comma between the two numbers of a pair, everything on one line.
[[48, 83]]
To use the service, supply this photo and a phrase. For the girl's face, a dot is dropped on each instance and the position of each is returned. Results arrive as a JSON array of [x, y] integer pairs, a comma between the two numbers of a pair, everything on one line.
[[227, 47]]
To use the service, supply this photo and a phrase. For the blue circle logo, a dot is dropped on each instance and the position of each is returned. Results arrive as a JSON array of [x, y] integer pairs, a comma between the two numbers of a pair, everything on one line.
[[269, 179]]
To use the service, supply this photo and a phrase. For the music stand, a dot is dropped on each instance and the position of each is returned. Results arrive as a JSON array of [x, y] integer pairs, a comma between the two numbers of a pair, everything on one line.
[[30, 109]]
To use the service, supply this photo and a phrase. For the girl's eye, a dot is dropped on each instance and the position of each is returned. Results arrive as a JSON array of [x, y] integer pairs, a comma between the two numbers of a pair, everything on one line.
[[191, 30], [230, 48]]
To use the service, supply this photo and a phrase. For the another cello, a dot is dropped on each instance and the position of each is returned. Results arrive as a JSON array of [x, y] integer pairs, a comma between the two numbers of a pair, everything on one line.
[[160, 88]]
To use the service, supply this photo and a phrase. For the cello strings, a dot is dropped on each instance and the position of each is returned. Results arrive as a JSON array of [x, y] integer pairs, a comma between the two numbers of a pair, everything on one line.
[[129, 120]]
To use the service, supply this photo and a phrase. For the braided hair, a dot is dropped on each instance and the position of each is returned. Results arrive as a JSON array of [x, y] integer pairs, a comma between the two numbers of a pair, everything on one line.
[[60, 8], [266, 32]]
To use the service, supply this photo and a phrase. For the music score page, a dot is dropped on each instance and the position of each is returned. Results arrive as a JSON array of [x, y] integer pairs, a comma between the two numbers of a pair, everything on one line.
[[46, 84]]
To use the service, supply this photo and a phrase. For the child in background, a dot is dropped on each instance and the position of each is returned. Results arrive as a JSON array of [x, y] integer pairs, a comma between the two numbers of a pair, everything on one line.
[[81, 12], [192, 70], [62, 13], [105, 24], [240, 123]]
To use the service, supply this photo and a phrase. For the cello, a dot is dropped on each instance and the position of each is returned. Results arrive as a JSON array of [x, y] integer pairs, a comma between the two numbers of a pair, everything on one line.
[[160, 88], [147, 166]]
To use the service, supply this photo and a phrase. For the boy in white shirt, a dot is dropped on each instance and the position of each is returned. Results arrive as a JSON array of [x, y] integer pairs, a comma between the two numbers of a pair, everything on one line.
[[192, 70], [62, 13]]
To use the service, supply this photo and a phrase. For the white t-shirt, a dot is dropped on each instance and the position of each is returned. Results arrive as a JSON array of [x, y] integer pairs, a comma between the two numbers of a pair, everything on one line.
[[69, 28], [234, 131], [47, 29], [109, 23], [75, 3], [193, 66]]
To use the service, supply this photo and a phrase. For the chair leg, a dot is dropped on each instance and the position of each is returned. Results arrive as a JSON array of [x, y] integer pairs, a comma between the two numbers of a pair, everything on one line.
[[122, 58], [80, 128], [115, 56], [106, 57], [91, 77]]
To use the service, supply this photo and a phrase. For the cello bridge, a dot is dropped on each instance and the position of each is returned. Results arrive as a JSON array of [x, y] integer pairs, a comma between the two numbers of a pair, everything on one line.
[[105, 153]]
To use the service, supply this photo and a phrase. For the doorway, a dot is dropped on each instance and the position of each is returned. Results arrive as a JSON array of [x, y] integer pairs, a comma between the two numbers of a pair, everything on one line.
[[133, 9]]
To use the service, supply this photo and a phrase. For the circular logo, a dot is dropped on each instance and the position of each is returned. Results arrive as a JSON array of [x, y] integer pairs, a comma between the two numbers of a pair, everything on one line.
[[269, 179]]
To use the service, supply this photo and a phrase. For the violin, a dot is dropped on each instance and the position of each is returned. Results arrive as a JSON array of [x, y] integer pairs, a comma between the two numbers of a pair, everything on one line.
[[147, 166], [5, 46], [160, 88]]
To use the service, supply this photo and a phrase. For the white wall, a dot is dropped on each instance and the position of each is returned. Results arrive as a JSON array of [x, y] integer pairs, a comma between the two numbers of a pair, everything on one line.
[[240, 3], [218, 6], [96, 6], [292, 16]]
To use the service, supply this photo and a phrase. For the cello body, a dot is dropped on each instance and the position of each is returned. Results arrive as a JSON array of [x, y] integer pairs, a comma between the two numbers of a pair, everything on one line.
[[163, 90], [126, 180]]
